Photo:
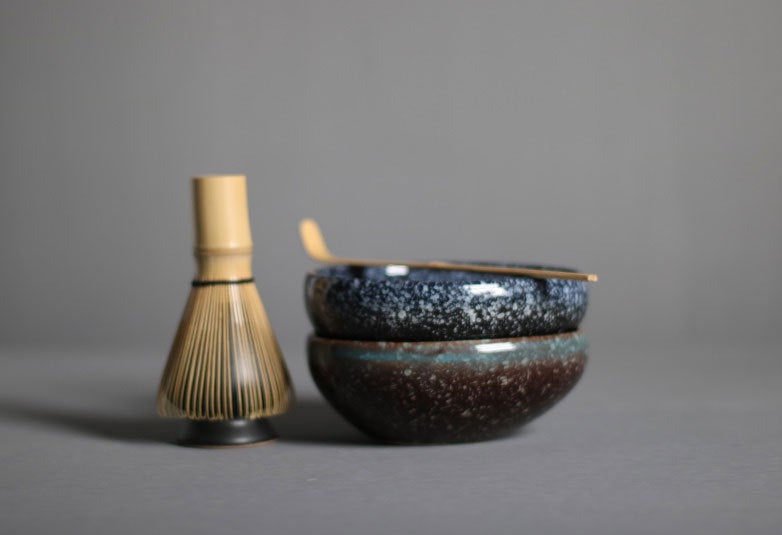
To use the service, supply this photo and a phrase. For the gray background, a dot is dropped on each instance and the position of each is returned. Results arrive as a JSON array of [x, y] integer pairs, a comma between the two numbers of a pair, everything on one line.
[[638, 140]]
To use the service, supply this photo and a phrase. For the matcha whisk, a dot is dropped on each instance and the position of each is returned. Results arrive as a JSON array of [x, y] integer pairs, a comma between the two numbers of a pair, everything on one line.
[[225, 373]]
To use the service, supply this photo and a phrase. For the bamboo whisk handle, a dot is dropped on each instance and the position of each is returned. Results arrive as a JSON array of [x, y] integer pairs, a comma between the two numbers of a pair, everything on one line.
[[223, 245]]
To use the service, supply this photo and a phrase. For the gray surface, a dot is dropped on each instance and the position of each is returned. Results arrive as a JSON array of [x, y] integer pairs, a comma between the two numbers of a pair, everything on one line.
[[657, 439], [637, 139]]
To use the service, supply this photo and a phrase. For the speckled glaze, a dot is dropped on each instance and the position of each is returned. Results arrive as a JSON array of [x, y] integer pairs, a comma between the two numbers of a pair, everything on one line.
[[440, 392], [394, 303]]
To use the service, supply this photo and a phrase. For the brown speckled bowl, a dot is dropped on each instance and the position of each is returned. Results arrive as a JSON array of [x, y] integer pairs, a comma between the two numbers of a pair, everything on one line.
[[439, 392]]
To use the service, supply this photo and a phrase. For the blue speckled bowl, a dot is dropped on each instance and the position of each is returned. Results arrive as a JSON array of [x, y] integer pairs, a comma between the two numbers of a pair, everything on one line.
[[397, 303], [437, 392]]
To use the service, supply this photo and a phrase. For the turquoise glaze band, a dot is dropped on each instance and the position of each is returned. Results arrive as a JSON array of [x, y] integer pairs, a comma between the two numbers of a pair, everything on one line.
[[477, 352]]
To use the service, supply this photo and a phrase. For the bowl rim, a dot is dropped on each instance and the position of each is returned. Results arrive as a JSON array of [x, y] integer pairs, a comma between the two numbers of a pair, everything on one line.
[[382, 344], [316, 272]]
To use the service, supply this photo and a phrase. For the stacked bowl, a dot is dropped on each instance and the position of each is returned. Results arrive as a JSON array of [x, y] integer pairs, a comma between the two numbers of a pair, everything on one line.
[[433, 356]]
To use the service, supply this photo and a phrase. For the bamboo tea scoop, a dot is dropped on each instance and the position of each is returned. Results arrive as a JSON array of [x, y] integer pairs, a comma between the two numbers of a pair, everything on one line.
[[315, 246]]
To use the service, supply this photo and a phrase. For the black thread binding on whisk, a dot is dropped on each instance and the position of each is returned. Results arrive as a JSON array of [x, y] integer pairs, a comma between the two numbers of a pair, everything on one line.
[[197, 283]]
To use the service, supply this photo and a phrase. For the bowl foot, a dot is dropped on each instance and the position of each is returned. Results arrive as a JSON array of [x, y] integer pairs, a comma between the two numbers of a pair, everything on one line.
[[227, 433]]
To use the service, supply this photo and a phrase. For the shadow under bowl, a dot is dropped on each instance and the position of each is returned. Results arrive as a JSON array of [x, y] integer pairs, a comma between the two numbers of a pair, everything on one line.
[[443, 392], [402, 304]]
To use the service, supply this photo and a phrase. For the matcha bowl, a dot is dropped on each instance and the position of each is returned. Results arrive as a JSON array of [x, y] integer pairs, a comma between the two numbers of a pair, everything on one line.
[[408, 304], [446, 391]]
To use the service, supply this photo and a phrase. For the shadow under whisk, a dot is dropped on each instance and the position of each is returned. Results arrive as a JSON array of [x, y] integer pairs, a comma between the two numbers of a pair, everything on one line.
[[136, 429]]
